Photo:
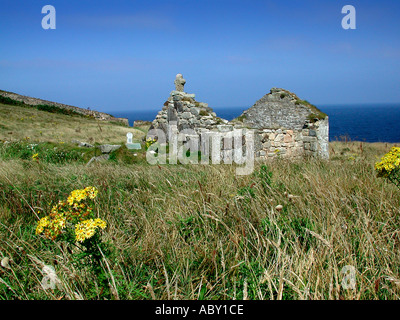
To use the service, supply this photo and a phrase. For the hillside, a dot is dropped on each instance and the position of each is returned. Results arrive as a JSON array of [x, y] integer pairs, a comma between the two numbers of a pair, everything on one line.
[[24, 123], [12, 98]]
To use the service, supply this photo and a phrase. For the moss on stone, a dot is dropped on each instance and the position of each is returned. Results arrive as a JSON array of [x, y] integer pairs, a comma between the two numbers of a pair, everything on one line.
[[241, 118], [203, 113], [315, 112], [191, 100]]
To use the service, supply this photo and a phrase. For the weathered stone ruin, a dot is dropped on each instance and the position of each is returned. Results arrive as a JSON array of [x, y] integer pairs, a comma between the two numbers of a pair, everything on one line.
[[183, 108], [287, 126], [283, 124]]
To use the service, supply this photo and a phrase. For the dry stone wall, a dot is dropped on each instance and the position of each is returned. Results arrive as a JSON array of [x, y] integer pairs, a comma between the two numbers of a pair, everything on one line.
[[286, 126], [183, 109], [292, 143]]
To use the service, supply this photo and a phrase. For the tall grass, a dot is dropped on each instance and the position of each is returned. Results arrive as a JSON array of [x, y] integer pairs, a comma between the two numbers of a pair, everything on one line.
[[201, 232]]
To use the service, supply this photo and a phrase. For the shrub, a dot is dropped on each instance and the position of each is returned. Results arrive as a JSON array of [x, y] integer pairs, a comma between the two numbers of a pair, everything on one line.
[[389, 166], [9, 101], [149, 142], [55, 109]]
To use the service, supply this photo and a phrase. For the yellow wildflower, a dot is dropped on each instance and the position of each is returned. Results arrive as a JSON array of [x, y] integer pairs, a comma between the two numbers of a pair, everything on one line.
[[91, 192], [389, 162], [100, 223], [77, 196], [86, 229], [43, 223], [74, 211]]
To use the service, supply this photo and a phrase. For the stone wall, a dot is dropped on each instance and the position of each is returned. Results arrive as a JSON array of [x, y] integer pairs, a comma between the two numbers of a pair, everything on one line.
[[293, 143], [278, 109], [139, 123], [283, 125], [277, 142], [286, 126], [182, 108]]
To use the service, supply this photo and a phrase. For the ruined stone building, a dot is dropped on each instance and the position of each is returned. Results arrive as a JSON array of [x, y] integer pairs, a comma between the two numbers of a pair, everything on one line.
[[283, 124]]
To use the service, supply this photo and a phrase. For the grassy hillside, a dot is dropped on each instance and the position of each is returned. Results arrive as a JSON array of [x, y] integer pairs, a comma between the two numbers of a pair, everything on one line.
[[197, 232], [24, 123]]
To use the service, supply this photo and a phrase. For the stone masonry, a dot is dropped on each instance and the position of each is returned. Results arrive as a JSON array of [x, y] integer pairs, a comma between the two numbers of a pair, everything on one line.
[[284, 125], [182, 108]]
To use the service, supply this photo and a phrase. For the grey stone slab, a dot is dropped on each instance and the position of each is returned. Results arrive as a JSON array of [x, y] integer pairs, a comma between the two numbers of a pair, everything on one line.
[[134, 146], [108, 148]]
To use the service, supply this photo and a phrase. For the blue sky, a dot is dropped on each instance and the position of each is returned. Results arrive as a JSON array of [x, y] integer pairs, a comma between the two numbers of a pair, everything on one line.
[[124, 55]]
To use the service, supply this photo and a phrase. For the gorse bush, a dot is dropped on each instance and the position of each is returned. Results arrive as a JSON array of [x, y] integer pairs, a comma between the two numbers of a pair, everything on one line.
[[76, 212]]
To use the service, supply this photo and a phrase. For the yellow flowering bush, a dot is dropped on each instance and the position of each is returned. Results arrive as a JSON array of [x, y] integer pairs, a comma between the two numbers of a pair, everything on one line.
[[389, 166], [74, 221], [76, 214]]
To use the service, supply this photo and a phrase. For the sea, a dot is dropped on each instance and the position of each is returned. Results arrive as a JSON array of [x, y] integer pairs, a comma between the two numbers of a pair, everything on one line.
[[356, 122]]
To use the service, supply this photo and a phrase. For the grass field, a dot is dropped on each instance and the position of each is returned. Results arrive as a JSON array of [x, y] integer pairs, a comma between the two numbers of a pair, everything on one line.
[[197, 232], [24, 123]]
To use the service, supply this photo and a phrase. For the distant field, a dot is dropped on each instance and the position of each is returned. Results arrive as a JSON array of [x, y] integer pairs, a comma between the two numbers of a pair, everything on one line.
[[24, 123]]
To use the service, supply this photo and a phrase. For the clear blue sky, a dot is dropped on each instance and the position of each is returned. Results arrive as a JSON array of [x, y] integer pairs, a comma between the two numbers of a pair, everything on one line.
[[124, 55]]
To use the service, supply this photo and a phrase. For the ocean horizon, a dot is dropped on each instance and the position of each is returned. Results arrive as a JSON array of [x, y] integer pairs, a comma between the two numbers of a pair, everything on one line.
[[379, 122]]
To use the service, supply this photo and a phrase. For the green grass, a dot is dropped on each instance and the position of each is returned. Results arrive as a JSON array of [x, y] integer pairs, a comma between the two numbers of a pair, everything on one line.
[[315, 112], [201, 232], [203, 113], [241, 118]]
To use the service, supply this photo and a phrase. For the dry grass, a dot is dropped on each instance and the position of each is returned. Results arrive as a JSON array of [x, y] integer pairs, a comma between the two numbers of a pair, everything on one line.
[[18, 123], [200, 232]]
